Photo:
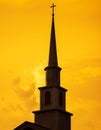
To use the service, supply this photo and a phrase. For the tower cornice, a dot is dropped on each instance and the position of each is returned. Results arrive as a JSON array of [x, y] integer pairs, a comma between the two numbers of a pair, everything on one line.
[[60, 88], [53, 67]]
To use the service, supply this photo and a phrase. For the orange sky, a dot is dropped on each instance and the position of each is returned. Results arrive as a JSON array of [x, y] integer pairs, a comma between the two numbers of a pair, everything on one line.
[[24, 45]]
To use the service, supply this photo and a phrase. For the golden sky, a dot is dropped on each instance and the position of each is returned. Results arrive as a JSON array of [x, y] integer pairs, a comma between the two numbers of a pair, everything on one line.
[[24, 45]]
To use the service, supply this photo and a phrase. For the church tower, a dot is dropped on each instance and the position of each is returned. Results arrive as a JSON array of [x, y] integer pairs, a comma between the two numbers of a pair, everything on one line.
[[52, 113]]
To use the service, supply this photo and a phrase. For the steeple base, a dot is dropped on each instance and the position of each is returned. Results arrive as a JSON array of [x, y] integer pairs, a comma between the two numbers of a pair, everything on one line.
[[54, 119]]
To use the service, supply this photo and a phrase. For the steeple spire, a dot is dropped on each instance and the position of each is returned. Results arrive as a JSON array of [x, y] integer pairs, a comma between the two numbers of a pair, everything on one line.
[[53, 53], [53, 71]]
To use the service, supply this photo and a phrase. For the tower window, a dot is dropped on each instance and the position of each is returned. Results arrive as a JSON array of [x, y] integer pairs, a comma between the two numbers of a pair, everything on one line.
[[47, 98], [60, 99]]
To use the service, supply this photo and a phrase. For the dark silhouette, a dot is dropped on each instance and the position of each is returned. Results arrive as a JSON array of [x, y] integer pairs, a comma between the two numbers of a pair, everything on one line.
[[60, 99], [47, 98], [30, 126], [52, 114]]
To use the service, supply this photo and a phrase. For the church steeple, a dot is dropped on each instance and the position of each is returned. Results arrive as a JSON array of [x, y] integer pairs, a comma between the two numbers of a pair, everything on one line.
[[52, 114], [53, 71]]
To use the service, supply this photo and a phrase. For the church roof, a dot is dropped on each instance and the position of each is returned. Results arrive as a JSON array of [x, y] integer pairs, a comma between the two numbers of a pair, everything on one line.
[[30, 126]]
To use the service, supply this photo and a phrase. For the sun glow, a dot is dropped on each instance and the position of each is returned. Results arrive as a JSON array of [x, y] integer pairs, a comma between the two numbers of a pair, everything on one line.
[[39, 75]]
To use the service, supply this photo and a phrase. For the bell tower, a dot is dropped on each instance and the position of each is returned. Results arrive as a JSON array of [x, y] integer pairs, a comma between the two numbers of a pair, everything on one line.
[[52, 113]]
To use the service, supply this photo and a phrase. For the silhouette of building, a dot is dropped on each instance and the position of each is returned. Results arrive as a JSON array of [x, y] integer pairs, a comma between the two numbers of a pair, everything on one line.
[[52, 114]]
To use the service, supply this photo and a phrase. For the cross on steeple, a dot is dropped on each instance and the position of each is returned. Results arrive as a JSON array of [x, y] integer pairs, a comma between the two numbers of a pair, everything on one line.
[[53, 6]]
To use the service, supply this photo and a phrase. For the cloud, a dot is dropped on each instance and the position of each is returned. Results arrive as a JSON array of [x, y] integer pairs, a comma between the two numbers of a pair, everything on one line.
[[90, 125], [19, 101], [17, 81], [85, 79], [83, 98], [28, 94]]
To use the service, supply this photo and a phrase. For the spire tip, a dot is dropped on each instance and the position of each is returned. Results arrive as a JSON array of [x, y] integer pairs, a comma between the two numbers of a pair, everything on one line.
[[53, 6]]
